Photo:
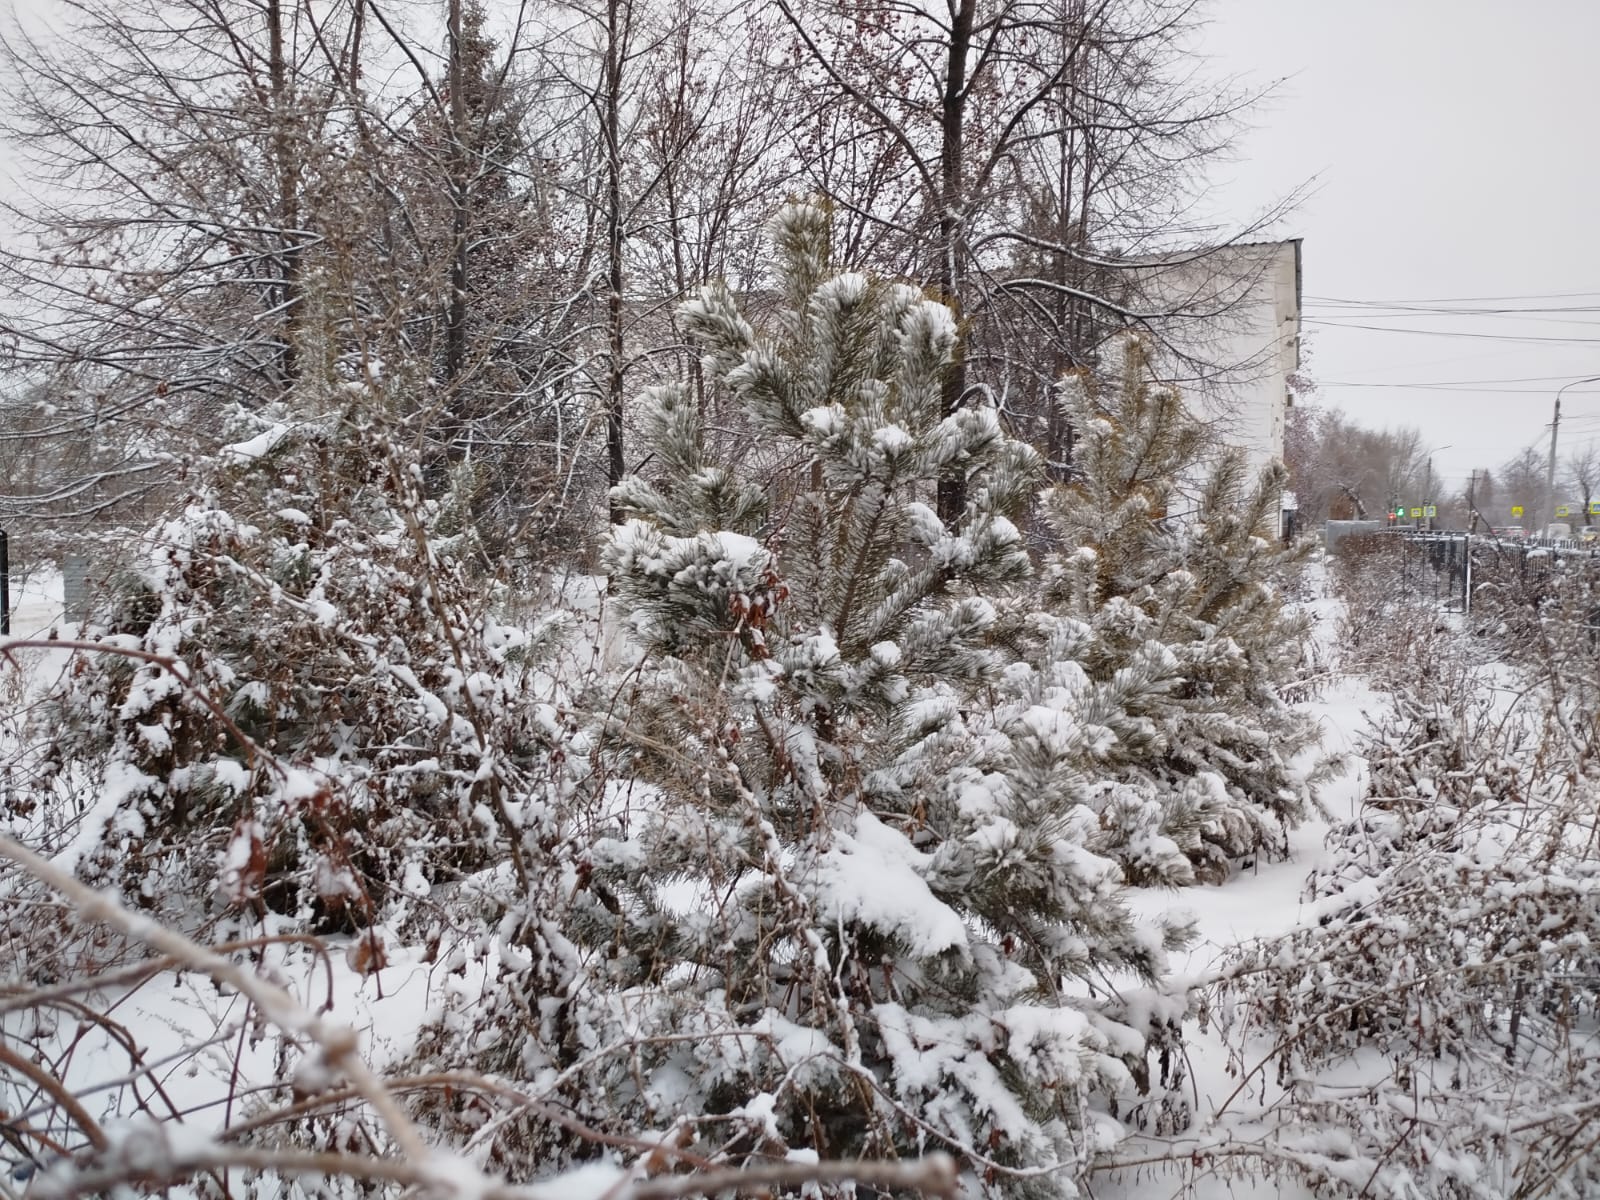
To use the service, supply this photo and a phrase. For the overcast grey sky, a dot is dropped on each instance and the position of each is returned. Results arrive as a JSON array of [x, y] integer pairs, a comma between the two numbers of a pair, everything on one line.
[[1457, 152], [1454, 144]]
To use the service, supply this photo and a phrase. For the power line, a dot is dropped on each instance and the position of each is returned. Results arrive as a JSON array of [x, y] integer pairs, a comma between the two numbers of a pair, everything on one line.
[[1520, 315], [1463, 382], [1457, 299], [1486, 337], [1459, 388], [1398, 312], [1447, 310]]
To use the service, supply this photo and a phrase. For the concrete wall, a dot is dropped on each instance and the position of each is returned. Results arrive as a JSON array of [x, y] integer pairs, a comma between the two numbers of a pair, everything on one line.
[[1232, 339], [1228, 332]]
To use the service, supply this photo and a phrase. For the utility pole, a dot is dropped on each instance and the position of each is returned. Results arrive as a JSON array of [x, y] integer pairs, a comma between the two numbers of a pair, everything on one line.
[[1428, 501], [1427, 495], [1550, 469]]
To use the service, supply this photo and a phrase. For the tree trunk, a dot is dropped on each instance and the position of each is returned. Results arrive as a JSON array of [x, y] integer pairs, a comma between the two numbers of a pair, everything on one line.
[[612, 133], [455, 352], [286, 291], [952, 499]]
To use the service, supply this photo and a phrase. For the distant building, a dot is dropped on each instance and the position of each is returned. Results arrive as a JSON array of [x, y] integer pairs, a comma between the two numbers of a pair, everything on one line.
[[1230, 336]]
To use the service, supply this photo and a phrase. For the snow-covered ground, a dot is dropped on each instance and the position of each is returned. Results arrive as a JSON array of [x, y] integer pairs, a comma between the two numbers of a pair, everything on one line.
[[1264, 900], [36, 602], [239, 1062]]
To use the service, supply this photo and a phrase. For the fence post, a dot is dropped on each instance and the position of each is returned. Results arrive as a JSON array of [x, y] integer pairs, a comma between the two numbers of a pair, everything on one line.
[[75, 588], [5, 584]]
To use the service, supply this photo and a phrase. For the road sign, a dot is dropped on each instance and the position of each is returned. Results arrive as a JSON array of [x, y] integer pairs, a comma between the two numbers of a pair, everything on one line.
[[1516, 510], [1594, 508], [1430, 511], [1416, 512], [1563, 510]]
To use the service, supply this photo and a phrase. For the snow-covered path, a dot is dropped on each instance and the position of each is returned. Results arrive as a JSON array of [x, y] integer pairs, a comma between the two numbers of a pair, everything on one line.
[[1262, 901]]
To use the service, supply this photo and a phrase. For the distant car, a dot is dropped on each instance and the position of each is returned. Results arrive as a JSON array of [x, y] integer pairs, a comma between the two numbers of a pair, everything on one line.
[[1510, 531]]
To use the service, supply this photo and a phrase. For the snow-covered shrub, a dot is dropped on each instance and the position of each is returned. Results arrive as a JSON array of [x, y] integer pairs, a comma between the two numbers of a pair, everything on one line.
[[1540, 611], [842, 900], [299, 701], [1390, 629], [1438, 750], [1194, 574], [1434, 1032]]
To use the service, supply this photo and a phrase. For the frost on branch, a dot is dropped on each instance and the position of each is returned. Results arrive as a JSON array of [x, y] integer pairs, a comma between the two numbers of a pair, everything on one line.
[[299, 702], [1433, 1029]]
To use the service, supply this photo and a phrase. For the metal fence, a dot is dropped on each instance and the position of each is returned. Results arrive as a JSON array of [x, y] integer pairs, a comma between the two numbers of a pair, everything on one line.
[[75, 590], [1449, 568], [1438, 566]]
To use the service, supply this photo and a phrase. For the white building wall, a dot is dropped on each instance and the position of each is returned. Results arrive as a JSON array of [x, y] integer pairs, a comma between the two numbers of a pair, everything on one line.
[[1232, 341]]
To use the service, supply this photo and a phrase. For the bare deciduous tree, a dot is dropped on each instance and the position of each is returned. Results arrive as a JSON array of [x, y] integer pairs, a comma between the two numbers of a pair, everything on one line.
[[182, 157], [1583, 469], [1030, 159]]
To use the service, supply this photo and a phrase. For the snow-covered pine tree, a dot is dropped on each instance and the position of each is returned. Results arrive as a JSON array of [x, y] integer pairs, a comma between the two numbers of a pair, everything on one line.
[[1164, 541], [842, 901]]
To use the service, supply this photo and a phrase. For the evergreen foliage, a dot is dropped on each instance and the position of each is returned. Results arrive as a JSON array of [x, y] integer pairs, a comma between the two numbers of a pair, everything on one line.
[[1166, 547], [845, 904]]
